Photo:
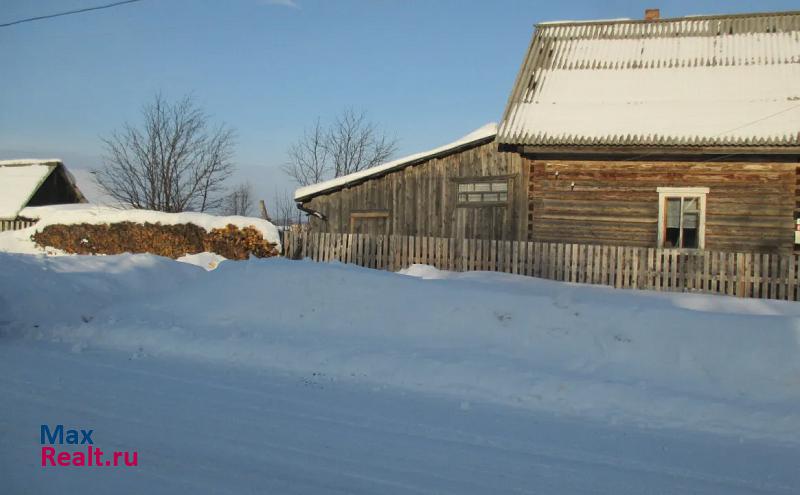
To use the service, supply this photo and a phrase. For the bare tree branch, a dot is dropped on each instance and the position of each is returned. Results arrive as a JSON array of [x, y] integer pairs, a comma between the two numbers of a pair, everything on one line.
[[286, 212], [239, 201], [173, 162], [350, 144], [308, 157]]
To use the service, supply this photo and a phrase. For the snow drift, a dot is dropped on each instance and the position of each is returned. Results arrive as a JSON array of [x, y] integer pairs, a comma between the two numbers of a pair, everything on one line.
[[707, 363]]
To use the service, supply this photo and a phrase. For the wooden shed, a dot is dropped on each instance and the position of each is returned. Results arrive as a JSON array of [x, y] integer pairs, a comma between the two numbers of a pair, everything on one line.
[[465, 189], [33, 182], [661, 133]]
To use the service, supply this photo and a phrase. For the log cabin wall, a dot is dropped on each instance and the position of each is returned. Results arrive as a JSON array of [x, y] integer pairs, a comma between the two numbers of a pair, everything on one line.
[[750, 206], [422, 200]]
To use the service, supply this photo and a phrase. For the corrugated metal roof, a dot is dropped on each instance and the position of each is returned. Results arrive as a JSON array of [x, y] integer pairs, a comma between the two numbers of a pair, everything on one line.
[[705, 81]]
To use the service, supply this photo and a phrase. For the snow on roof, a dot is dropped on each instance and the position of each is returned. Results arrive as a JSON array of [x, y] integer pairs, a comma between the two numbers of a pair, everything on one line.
[[570, 21], [30, 161], [483, 133], [708, 81], [19, 180]]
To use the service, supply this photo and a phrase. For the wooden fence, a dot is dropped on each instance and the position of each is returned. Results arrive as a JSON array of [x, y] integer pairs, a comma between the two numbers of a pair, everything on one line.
[[16, 224], [766, 276]]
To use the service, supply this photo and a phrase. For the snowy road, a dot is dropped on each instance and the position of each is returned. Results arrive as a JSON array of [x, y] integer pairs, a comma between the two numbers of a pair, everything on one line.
[[202, 428]]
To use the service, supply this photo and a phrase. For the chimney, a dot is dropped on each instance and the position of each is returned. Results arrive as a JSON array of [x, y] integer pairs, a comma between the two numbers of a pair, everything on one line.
[[652, 14]]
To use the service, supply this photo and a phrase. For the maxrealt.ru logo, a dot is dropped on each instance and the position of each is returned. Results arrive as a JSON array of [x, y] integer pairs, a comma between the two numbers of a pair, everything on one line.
[[92, 456]]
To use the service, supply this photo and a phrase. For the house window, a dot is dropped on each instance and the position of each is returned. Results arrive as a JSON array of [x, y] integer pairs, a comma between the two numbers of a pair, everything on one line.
[[483, 191], [682, 217]]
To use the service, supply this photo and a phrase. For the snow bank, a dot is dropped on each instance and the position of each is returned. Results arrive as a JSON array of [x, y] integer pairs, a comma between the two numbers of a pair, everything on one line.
[[20, 241], [706, 363]]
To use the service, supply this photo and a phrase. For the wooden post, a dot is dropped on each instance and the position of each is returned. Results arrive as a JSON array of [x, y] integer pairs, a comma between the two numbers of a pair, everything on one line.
[[263, 208]]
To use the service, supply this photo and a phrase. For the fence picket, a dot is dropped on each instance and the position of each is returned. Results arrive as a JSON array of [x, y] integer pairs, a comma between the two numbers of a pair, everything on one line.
[[756, 275]]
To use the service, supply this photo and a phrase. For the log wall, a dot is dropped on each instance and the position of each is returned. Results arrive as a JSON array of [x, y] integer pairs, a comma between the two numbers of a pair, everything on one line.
[[750, 206]]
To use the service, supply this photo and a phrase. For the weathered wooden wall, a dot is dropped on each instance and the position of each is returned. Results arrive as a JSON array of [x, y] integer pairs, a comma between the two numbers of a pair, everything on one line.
[[53, 191], [421, 200], [750, 206]]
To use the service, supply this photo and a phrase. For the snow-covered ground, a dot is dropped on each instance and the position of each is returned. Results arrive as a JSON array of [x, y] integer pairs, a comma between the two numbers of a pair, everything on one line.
[[276, 376]]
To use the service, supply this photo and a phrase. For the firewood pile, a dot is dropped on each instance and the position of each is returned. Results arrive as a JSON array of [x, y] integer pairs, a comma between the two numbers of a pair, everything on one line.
[[172, 241]]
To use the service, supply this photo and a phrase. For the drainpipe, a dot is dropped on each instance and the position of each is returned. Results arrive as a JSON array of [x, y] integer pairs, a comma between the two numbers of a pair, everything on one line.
[[311, 212]]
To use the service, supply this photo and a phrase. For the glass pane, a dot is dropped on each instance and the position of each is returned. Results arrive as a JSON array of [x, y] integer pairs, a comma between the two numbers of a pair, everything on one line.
[[673, 220], [690, 238], [462, 198], [691, 204], [491, 197], [671, 237], [500, 186], [473, 198], [503, 196], [483, 186], [465, 187], [691, 220]]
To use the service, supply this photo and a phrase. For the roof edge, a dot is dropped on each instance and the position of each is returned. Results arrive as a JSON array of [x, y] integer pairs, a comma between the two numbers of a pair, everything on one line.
[[21, 162], [480, 136], [609, 22]]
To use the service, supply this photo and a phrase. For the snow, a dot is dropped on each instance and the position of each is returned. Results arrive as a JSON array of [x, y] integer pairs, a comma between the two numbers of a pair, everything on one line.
[[203, 428], [483, 132], [345, 379], [29, 161], [660, 83], [207, 260], [588, 351], [19, 241], [18, 181], [584, 21], [677, 104]]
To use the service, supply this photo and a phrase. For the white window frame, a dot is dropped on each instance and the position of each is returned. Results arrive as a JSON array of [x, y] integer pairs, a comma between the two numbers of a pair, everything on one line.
[[506, 180], [682, 192]]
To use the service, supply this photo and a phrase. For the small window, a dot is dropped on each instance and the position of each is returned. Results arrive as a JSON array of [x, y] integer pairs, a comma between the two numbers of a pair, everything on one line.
[[681, 222], [483, 191]]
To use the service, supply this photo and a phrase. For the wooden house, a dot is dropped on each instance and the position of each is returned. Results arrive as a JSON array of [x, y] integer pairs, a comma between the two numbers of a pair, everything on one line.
[[33, 183], [653, 133], [662, 132]]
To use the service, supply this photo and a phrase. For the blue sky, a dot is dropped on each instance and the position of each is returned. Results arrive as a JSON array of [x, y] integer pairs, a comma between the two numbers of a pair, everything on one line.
[[427, 71]]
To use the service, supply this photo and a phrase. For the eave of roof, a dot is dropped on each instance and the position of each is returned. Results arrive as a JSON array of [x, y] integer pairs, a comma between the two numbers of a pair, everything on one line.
[[703, 17], [482, 135]]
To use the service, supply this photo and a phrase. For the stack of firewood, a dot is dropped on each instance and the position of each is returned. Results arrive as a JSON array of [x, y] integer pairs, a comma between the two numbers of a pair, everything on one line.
[[172, 241]]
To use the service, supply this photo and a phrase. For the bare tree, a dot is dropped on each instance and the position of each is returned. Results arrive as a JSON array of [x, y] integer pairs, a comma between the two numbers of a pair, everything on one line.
[[350, 144], [308, 157], [286, 212], [175, 161], [355, 143], [239, 201]]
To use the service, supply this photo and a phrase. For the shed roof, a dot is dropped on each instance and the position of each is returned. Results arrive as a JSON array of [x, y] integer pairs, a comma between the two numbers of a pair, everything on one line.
[[726, 80], [20, 179], [481, 135]]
